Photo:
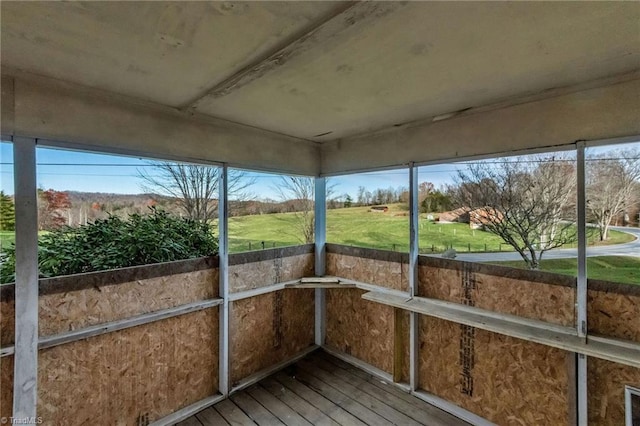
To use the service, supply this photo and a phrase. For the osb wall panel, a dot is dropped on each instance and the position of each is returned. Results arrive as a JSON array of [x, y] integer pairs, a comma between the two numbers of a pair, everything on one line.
[[6, 386], [77, 301], [606, 382], [61, 312], [615, 312], [385, 273], [503, 292], [131, 376], [252, 270], [505, 380], [268, 329], [360, 328], [7, 319]]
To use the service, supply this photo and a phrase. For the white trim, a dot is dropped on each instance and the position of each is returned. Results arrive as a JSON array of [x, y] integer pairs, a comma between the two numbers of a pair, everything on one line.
[[188, 411], [628, 412], [582, 398], [258, 291], [451, 408], [581, 289], [25, 376], [223, 268], [256, 377]]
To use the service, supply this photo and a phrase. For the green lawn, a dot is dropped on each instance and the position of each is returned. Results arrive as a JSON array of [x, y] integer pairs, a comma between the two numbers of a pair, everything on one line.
[[359, 227], [390, 231], [7, 238], [621, 269]]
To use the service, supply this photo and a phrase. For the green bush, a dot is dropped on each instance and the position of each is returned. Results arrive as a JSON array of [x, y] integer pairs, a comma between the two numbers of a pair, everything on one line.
[[117, 243]]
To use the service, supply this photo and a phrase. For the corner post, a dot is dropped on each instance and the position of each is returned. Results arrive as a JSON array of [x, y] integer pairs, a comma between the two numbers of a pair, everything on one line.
[[581, 285], [414, 319], [320, 238], [25, 376], [223, 250]]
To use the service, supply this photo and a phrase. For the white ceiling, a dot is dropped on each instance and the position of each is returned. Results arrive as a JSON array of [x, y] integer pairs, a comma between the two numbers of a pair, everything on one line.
[[369, 67]]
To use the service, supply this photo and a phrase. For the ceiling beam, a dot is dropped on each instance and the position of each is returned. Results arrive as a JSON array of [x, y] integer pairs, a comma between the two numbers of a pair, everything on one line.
[[593, 113], [326, 29], [101, 121]]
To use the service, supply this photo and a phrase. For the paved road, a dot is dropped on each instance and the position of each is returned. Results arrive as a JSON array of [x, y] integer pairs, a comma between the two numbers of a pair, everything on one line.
[[628, 249]]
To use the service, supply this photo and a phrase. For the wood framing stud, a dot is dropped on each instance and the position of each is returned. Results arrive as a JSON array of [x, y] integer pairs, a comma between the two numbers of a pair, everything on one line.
[[398, 344], [583, 395]]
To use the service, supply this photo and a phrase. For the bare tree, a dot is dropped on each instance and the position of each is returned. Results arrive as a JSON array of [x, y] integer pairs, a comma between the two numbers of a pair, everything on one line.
[[195, 187], [613, 186], [300, 192], [529, 204]]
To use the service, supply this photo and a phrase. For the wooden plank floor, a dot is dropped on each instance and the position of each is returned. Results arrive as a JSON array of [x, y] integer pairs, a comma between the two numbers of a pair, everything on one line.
[[322, 390]]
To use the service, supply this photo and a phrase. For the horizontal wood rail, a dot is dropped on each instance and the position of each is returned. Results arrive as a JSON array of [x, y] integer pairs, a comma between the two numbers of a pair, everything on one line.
[[109, 327], [566, 338]]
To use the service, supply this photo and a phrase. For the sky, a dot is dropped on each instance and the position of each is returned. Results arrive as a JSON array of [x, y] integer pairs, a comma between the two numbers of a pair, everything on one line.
[[65, 170]]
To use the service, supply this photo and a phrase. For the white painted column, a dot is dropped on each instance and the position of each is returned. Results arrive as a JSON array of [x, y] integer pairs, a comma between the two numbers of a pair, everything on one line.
[[25, 376], [223, 253], [581, 286], [414, 319], [320, 238]]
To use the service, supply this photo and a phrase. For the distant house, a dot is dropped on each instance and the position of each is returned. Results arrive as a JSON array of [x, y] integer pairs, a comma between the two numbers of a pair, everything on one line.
[[460, 215], [379, 209], [476, 218]]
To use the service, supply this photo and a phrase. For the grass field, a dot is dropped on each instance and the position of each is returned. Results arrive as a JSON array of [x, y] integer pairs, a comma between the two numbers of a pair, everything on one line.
[[359, 227], [7, 238], [622, 269]]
